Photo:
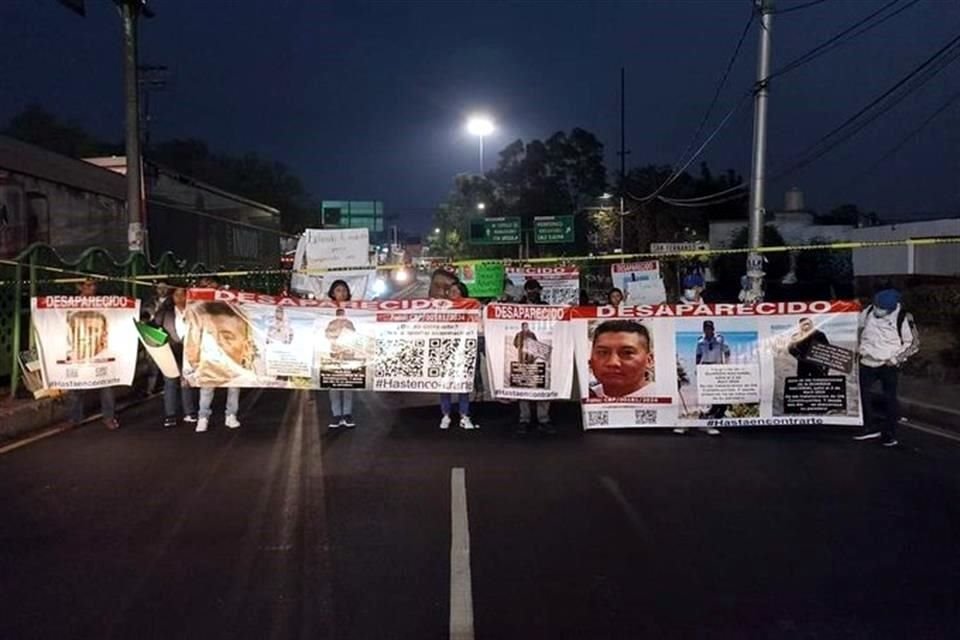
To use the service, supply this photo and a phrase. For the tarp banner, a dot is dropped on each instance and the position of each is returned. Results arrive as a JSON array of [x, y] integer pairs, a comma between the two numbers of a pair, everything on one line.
[[86, 342], [241, 339], [528, 348], [561, 285], [723, 365]]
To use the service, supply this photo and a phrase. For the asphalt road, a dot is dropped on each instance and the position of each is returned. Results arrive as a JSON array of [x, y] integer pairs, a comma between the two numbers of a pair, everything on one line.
[[281, 529]]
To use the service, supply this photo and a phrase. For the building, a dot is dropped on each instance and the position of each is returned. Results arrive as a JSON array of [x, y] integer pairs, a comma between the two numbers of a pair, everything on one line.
[[73, 205], [353, 214], [798, 227]]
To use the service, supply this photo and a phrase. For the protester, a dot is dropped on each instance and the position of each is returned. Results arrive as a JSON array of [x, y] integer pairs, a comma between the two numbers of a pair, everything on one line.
[[234, 339], [172, 318], [456, 291], [161, 296], [108, 400], [440, 282], [341, 400], [693, 286], [615, 297], [711, 349], [533, 295], [887, 338]]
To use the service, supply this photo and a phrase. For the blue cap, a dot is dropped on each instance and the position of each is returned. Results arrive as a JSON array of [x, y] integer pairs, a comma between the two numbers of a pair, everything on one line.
[[693, 280], [888, 299]]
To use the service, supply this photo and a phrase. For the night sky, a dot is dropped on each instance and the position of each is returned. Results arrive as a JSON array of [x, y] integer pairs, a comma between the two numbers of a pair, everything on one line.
[[366, 100]]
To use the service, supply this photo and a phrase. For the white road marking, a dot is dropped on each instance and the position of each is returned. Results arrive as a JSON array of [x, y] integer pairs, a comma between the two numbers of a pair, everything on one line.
[[461, 589], [934, 431]]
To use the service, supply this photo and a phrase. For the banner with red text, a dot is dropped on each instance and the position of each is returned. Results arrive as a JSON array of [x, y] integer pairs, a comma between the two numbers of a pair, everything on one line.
[[86, 342], [239, 339], [722, 365], [560, 285], [529, 348]]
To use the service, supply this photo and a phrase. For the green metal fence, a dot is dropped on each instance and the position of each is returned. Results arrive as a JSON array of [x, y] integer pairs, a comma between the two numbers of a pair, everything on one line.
[[39, 270]]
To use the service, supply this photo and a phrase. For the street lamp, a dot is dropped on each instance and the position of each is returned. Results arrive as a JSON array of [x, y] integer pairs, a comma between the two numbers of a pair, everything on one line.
[[481, 206], [621, 214], [480, 126]]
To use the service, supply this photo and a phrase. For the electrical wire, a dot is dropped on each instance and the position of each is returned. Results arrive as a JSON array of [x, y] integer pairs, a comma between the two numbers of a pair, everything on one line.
[[737, 187], [919, 76], [798, 7], [839, 38], [907, 138], [707, 114], [681, 203]]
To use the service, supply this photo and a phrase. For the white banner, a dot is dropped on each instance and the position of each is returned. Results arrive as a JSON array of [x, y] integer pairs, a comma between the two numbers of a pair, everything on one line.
[[86, 342], [722, 365], [346, 251], [360, 282], [640, 282], [528, 348], [561, 285], [238, 339]]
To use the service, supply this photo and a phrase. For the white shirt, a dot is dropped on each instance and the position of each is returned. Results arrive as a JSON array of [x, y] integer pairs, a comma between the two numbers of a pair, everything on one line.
[[880, 342], [180, 322]]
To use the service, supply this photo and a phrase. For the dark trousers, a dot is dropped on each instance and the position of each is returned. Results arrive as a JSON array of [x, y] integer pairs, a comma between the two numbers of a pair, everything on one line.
[[887, 377]]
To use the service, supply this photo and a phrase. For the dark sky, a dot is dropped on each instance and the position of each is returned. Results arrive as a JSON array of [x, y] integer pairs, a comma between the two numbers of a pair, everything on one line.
[[366, 100]]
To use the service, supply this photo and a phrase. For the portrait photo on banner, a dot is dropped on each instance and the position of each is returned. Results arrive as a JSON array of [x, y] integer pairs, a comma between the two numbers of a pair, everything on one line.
[[815, 371], [718, 368], [221, 347], [621, 359]]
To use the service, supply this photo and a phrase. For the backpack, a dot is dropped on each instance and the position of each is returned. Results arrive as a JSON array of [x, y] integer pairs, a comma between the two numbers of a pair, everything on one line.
[[902, 316]]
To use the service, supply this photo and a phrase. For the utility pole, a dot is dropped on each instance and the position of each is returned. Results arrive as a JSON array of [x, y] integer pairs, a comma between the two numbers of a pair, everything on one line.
[[130, 11], [623, 151], [753, 291]]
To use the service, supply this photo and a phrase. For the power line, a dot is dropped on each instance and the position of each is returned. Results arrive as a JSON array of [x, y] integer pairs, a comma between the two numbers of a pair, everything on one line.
[[798, 7], [907, 138], [737, 187], [706, 115], [929, 68], [681, 203], [856, 29]]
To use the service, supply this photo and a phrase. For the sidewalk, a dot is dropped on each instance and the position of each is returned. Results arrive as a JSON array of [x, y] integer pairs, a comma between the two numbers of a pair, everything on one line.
[[936, 403]]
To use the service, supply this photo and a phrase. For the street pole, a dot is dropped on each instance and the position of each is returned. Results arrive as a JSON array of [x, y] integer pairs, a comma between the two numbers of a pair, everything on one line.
[[130, 10], [622, 213], [481, 155], [754, 290]]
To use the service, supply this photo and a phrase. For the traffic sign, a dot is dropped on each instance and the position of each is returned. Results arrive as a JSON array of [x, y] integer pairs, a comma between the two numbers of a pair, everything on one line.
[[552, 229], [495, 231]]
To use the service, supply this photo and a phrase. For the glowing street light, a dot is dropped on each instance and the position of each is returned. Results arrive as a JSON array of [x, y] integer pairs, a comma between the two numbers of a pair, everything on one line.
[[480, 126], [481, 206]]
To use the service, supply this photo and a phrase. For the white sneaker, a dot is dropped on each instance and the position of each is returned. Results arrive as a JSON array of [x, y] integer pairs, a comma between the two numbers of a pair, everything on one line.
[[201, 425], [711, 431], [189, 418], [232, 422], [680, 431], [867, 436], [445, 422], [467, 423]]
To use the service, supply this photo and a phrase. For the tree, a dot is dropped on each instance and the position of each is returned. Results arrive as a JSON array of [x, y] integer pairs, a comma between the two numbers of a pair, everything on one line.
[[559, 176], [728, 268], [35, 125]]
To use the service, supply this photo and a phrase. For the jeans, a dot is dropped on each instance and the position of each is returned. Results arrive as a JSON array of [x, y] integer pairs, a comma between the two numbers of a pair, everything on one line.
[[543, 411], [108, 404], [172, 388], [463, 402], [887, 377], [206, 399], [341, 402]]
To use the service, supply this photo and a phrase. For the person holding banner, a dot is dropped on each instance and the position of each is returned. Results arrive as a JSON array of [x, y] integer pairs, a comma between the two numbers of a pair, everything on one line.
[[532, 295], [88, 336], [341, 400], [456, 291], [172, 318], [227, 329]]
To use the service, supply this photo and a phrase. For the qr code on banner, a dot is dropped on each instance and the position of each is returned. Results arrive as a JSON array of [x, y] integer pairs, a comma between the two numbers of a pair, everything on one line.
[[451, 357], [598, 418], [400, 359], [645, 416]]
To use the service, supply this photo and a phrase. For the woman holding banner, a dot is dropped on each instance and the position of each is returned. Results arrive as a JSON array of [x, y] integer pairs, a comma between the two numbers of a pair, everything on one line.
[[341, 400], [456, 291]]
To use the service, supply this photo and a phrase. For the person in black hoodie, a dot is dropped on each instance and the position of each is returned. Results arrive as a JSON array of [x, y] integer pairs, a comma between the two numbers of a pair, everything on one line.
[[172, 319]]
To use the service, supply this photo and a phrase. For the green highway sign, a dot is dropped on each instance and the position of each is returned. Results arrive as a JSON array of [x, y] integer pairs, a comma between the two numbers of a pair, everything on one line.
[[552, 229], [495, 231]]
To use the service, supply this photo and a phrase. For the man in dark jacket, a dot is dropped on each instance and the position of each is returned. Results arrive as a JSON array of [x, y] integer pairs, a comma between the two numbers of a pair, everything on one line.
[[172, 319]]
